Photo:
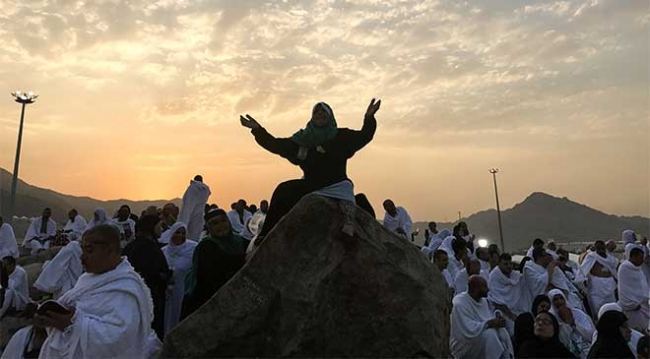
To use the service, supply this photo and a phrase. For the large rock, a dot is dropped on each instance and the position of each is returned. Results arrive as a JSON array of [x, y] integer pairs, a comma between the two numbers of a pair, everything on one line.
[[312, 290], [41, 257]]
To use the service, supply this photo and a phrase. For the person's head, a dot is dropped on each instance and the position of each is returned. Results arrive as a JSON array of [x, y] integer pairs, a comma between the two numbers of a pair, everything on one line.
[[541, 257], [538, 243], [551, 246], [321, 114], [264, 206], [613, 326], [505, 264], [241, 206], [601, 249], [609, 307], [459, 247], [390, 208], [558, 298], [441, 259], [477, 287], [432, 227], [494, 252], [168, 209], [233, 206], [218, 223], [473, 266], [99, 215], [610, 246], [482, 254], [123, 213], [47, 213], [151, 210], [198, 178], [179, 233], [100, 249], [72, 214], [562, 256], [522, 264], [146, 226], [206, 208], [546, 326], [637, 256], [541, 303], [628, 236], [252, 208], [125, 207], [642, 348], [9, 263]]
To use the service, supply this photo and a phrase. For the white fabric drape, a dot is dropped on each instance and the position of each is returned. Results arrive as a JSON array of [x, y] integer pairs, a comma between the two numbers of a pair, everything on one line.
[[633, 295], [8, 244], [193, 208], [76, 227], [60, 274], [401, 220]]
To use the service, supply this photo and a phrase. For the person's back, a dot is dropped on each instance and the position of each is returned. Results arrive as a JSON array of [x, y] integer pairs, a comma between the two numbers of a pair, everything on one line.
[[8, 244]]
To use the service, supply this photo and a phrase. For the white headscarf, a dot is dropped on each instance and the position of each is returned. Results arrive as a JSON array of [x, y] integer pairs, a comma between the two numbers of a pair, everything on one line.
[[103, 218], [628, 236], [167, 235]]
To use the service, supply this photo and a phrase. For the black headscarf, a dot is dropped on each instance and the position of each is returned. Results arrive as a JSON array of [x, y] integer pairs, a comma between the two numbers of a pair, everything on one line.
[[610, 342], [525, 324], [539, 299], [545, 348]]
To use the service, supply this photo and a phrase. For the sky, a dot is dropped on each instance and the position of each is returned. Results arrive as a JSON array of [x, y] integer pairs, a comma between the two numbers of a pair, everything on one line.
[[136, 97]]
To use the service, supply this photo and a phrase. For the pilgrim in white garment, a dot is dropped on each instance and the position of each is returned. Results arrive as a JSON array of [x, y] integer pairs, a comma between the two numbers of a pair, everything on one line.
[[536, 277], [126, 225], [17, 292], [633, 291], [110, 306], [537, 243], [596, 270], [76, 225], [576, 328], [39, 231], [634, 338], [473, 267], [99, 218], [560, 281], [441, 260], [475, 331], [397, 220], [505, 291], [239, 218], [27, 340], [193, 207], [60, 274], [458, 256], [8, 244], [178, 254], [435, 242]]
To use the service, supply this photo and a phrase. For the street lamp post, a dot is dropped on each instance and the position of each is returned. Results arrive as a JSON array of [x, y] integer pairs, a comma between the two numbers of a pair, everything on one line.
[[23, 98], [494, 172]]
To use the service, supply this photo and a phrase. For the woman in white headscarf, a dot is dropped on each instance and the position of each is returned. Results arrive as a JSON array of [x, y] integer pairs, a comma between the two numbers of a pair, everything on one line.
[[178, 254], [576, 327], [99, 218]]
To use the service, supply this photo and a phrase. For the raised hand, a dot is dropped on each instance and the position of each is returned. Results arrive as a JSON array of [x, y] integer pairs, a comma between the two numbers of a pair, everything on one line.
[[373, 108], [249, 122]]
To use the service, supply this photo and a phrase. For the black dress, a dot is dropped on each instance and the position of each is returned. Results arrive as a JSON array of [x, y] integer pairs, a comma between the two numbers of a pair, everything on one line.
[[323, 166], [148, 260], [214, 268]]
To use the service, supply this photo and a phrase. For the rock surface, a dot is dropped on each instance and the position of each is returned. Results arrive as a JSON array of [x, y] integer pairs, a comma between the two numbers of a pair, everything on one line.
[[312, 290]]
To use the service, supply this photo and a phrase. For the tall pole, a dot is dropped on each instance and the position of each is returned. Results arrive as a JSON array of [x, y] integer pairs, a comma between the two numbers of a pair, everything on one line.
[[494, 172], [24, 99]]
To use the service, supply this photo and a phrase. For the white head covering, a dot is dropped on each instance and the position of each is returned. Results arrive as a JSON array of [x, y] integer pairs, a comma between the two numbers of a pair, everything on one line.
[[628, 236], [167, 235], [608, 308], [552, 293], [103, 218]]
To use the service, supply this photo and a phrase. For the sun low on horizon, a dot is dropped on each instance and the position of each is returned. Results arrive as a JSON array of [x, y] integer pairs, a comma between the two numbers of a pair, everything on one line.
[[137, 97]]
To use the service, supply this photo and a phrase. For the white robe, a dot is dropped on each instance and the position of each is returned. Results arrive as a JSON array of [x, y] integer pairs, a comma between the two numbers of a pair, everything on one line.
[[237, 226], [633, 292], [125, 238], [460, 282], [454, 266], [113, 317], [179, 260], [34, 231], [601, 290], [193, 208], [103, 219], [19, 343], [448, 278], [8, 244], [76, 228], [561, 281], [61, 273], [576, 338], [19, 287], [470, 336], [506, 291], [535, 283], [401, 220]]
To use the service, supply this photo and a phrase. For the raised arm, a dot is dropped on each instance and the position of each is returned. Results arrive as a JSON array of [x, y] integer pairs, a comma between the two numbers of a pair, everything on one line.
[[358, 139], [280, 146]]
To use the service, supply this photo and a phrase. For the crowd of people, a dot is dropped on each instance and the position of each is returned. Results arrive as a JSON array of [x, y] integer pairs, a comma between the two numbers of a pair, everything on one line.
[[551, 307], [119, 284]]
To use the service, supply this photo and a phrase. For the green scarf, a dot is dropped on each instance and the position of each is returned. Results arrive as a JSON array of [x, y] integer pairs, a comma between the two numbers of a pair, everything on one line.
[[231, 244], [312, 136]]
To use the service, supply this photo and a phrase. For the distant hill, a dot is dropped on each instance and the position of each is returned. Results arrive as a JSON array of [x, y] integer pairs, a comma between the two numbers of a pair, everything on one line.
[[544, 216], [31, 200]]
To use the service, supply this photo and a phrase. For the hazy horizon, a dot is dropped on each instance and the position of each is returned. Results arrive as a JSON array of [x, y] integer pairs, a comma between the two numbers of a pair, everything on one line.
[[136, 98]]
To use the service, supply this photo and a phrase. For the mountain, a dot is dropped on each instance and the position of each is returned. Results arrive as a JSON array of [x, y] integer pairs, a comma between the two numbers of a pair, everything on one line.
[[543, 216], [30, 201]]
